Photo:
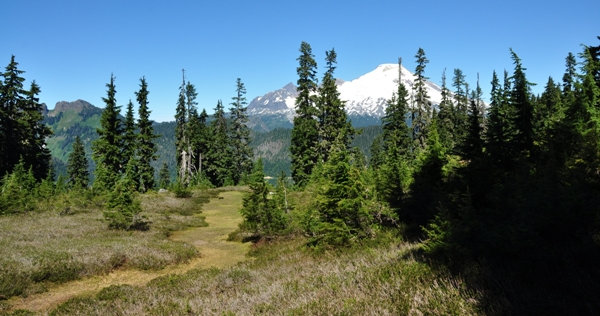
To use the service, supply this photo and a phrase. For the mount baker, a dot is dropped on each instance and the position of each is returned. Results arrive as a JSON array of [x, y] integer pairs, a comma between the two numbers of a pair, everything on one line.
[[365, 98]]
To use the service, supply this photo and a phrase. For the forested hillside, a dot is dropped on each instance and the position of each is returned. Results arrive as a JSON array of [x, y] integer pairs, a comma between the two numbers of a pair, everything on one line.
[[503, 198]]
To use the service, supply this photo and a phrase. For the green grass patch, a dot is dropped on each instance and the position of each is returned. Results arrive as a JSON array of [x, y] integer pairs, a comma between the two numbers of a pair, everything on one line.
[[67, 239], [286, 278]]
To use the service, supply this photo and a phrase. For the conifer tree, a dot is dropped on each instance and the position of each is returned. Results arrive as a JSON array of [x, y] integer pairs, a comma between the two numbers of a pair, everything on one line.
[[398, 147], [520, 99], [261, 214], [473, 144], [17, 193], [77, 167], [218, 169], [146, 149], [108, 148], [396, 131], [129, 134], [460, 106], [181, 143], [445, 116], [200, 140], [130, 143], [123, 209], [377, 153], [281, 194], [588, 122], [422, 108], [341, 200], [164, 176], [548, 114], [570, 74], [333, 121], [240, 135], [34, 133], [501, 129], [305, 135], [12, 96]]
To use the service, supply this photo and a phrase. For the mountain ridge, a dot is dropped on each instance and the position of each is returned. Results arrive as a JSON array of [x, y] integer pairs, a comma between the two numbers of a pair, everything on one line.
[[366, 95]]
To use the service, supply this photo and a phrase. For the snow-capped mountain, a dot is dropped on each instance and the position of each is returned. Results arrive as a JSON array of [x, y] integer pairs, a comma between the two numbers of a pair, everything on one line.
[[364, 96]]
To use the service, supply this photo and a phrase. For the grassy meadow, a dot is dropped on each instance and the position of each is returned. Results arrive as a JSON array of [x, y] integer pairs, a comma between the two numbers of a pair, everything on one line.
[[198, 272], [68, 239], [285, 278]]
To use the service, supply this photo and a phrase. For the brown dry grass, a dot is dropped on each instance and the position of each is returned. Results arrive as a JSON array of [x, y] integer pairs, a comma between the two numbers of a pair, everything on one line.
[[223, 217], [42, 249], [285, 278]]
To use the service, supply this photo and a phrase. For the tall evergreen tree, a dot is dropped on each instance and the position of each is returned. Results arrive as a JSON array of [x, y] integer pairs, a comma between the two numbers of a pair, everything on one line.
[[240, 134], [180, 128], [588, 122], [501, 129], [129, 135], [200, 140], [305, 134], [333, 122], [77, 166], [520, 99], [396, 131], [34, 133], [342, 201], [460, 106], [422, 106], [570, 73], [164, 177], [108, 148], [146, 149], [398, 147], [445, 116], [261, 214], [218, 168], [12, 96], [130, 144], [473, 144]]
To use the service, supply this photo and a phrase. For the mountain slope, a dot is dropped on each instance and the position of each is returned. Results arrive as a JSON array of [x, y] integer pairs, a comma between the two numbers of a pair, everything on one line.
[[80, 118]]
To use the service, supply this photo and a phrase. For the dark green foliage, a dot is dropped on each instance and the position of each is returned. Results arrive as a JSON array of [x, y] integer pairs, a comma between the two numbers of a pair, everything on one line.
[[123, 209], [164, 177], [34, 133], [18, 190], [13, 96], [422, 112], [181, 119], [473, 145], [396, 132], [445, 116], [262, 215], [240, 135], [333, 122], [129, 134], [108, 148], [77, 167], [219, 156], [274, 149], [520, 99], [305, 134], [146, 149], [342, 201], [460, 107], [394, 171], [200, 140], [426, 189], [22, 132]]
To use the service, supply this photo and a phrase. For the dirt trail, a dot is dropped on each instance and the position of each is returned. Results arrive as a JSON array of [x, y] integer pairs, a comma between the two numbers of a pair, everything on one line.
[[222, 215]]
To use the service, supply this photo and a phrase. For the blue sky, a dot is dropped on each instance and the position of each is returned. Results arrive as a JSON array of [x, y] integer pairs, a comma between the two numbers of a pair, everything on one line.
[[71, 47]]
